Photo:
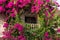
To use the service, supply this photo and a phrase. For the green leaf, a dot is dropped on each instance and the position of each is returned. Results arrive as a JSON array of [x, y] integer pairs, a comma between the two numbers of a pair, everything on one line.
[[52, 31]]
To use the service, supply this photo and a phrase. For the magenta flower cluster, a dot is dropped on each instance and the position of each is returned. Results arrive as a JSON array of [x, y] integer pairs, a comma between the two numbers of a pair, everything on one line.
[[46, 36], [22, 3], [2, 9], [36, 5], [18, 26], [10, 9], [7, 6], [6, 25], [8, 34], [2, 1]]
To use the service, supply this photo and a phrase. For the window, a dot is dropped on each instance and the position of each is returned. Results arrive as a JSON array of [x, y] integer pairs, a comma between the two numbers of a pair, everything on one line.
[[30, 19]]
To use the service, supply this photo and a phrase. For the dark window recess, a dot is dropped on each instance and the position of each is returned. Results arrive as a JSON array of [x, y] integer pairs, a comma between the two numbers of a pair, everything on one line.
[[31, 20]]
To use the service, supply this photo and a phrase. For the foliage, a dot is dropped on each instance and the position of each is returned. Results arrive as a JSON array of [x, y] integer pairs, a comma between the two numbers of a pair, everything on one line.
[[16, 29]]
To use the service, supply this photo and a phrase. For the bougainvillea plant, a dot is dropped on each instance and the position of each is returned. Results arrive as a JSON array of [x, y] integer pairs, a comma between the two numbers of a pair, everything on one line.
[[16, 29]]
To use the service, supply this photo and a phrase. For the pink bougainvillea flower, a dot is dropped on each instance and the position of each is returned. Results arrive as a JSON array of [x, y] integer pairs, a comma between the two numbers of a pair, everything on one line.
[[51, 9], [2, 1], [5, 25], [18, 26], [8, 11], [46, 34], [12, 15], [21, 37], [14, 39], [40, 2], [52, 15], [47, 0], [48, 39], [22, 3], [13, 10], [47, 6], [7, 34], [1, 9], [35, 1], [10, 5], [35, 9], [6, 19], [58, 30], [46, 14], [28, 1]]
